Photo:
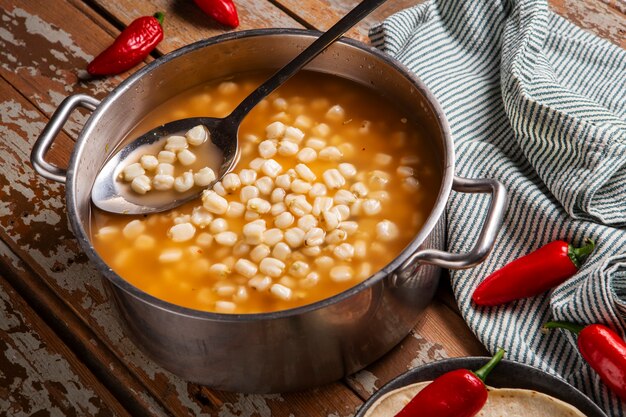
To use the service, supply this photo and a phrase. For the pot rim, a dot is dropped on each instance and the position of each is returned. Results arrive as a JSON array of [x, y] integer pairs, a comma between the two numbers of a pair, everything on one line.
[[434, 216]]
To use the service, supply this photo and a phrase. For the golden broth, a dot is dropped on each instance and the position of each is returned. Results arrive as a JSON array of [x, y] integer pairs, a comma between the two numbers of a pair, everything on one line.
[[372, 135]]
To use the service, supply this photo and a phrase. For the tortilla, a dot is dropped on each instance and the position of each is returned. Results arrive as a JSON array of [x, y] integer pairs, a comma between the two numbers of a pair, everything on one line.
[[501, 402]]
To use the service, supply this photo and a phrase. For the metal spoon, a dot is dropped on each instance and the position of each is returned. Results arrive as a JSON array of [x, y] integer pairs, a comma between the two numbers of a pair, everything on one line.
[[109, 195]]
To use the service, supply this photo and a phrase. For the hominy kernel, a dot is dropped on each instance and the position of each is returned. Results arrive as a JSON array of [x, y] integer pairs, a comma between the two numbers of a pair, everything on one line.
[[278, 195], [300, 186], [330, 153], [278, 208], [186, 157], [347, 170], [344, 197], [226, 238], [247, 176], [271, 168], [248, 192], [307, 155], [235, 210], [336, 113], [176, 143], [307, 222], [185, 218], [321, 129], [299, 206], [260, 283], [246, 268], [382, 159], [141, 184], [218, 225], [259, 252], [347, 150], [284, 220], [181, 232], [364, 129], [410, 184], [371, 207], [378, 179], [241, 249], [224, 289], [283, 181], [287, 148], [225, 306], [299, 269], [275, 130], [251, 215], [231, 182], [132, 171], [310, 281], [341, 273], [294, 237], [184, 182], [149, 162], [324, 262], [267, 149], [303, 122], [321, 204], [219, 189], [165, 169], [282, 292], [145, 242], [330, 220], [316, 144], [219, 270], [355, 209], [344, 251], [197, 135], [410, 160], [258, 205], [256, 164], [404, 171], [166, 157], [333, 179], [281, 251], [241, 294], [364, 271], [317, 190], [336, 236], [360, 249], [387, 231], [349, 227], [314, 236], [204, 177], [265, 185], [227, 87], [253, 232], [214, 202], [171, 255], [280, 103], [272, 236], [133, 229], [342, 211], [204, 239], [107, 232], [272, 267], [293, 134], [311, 251]]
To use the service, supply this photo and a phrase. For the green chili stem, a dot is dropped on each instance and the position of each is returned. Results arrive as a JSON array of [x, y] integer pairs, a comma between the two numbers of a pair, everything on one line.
[[488, 367], [159, 16], [578, 255], [575, 328]]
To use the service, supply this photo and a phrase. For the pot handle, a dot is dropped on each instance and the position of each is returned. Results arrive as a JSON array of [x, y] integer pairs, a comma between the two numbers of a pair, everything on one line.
[[50, 132], [486, 238]]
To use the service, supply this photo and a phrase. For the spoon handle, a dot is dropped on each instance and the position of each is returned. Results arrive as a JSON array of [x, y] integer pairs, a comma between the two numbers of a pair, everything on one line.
[[327, 38]]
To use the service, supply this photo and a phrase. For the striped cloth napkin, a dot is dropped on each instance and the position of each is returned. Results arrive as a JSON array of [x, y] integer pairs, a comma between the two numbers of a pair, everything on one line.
[[540, 105]]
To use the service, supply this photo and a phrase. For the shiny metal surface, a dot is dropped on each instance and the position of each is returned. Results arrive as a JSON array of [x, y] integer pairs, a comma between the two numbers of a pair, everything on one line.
[[224, 132], [286, 350]]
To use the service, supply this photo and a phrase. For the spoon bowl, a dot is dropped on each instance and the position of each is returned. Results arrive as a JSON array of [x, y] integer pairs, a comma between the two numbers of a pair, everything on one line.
[[111, 195], [114, 196]]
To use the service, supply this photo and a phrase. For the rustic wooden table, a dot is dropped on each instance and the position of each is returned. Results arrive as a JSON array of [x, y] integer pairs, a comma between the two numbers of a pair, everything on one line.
[[62, 352]]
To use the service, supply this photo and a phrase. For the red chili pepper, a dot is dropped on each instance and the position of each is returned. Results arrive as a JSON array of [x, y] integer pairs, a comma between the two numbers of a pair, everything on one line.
[[603, 349], [223, 11], [131, 47], [459, 393], [545, 268]]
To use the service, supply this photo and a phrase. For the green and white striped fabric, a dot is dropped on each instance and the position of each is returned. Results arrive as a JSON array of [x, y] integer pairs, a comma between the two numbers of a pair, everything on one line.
[[540, 105]]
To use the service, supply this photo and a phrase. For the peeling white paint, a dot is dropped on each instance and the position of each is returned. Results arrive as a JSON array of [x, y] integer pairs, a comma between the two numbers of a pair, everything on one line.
[[250, 406], [428, 352], [8, 37], [36, 26], [367, 380], [59, 55]]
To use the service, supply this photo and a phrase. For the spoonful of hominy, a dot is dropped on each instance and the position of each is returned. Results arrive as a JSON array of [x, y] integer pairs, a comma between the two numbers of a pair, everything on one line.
[[122, 186]]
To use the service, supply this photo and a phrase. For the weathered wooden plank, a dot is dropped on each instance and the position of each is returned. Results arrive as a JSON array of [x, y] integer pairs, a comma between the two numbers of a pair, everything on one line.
[[595, 16], [186, 23], [322, 14], [601, 17], [440, 333], [39, 373]]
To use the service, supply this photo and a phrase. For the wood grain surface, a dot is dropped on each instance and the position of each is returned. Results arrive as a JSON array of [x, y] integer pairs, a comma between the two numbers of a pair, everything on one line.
[[53, 310]]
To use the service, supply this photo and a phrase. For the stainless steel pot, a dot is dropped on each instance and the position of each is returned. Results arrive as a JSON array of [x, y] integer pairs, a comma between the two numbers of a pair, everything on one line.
[[287, 350]]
